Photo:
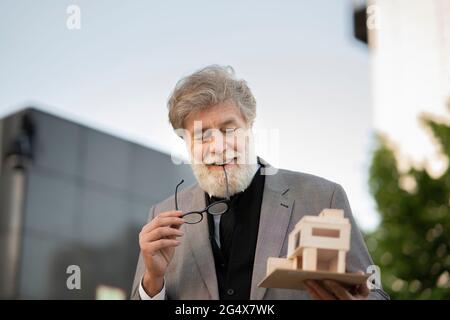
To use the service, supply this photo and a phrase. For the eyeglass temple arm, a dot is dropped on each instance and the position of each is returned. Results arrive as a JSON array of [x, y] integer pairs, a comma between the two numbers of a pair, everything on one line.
[[176, 194], [226, 182]]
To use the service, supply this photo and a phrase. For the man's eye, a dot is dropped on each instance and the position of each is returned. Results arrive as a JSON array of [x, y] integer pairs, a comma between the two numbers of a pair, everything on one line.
[[198, 136], [207, 135], [230, 130]]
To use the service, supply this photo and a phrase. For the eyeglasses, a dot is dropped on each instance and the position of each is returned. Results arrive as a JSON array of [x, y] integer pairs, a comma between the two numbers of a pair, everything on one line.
[[216, 208]]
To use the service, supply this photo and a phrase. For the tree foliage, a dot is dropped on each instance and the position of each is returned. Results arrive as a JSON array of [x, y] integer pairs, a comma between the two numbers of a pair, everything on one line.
[[411, 244]]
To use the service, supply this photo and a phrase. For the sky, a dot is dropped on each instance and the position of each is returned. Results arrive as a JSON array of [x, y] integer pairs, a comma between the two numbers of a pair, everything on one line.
[[309, 75], [411, 76]]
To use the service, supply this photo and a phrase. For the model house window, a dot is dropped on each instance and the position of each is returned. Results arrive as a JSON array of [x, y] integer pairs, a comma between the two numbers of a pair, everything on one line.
[[329, 233]]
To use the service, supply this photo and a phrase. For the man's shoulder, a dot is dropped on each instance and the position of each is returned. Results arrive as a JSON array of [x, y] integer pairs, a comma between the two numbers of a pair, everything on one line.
[[303, 183], [313, 192]]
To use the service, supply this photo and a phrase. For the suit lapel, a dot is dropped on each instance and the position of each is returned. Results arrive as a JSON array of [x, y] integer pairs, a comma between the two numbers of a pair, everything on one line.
[[276, 210], [197, 236]]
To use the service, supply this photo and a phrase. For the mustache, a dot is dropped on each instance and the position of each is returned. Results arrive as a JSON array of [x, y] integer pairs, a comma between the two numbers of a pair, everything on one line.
[[219, 159]]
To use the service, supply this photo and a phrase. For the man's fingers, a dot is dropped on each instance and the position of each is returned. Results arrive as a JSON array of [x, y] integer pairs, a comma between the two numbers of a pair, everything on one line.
[[339, 291], [178, 226], [174, 213], [312, 292], [162, 215], [162, 232], [168, 221], [363, 289], [152, 247], [320, 291], [162, 222]]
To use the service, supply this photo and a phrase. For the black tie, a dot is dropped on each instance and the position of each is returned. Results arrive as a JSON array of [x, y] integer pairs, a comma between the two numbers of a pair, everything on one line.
[[227, 222]]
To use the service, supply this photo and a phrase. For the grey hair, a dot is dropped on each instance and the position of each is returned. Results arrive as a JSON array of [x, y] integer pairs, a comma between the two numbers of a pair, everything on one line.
[[207, 87]]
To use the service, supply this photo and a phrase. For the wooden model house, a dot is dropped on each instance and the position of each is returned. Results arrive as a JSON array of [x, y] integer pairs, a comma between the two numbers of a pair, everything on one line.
[[317, 243]]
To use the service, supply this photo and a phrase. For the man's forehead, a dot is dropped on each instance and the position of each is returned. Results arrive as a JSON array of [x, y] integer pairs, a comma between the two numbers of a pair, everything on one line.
[[223, 121], [214, 117]]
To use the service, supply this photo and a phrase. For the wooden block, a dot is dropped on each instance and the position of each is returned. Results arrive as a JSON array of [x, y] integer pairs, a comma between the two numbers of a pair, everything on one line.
[[281, 263], [341, 261], [332, 213], [297, 263], [318, 219], [293, 242], [309, 259]]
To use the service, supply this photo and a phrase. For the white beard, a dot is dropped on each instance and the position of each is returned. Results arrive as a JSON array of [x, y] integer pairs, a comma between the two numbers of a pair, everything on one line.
[[213, 181]]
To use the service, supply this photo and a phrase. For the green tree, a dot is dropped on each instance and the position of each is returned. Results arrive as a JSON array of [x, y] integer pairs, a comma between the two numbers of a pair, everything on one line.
[[411, 244]]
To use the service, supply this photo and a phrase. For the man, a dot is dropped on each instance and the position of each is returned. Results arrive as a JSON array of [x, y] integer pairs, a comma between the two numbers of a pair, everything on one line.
[[223, 255]]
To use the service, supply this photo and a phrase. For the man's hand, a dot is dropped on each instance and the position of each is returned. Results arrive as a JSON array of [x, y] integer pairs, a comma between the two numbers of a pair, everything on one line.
[[332, 290], [157, 241]]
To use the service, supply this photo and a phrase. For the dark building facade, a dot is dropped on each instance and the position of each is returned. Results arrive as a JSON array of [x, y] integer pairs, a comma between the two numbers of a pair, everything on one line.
[[71, 195]]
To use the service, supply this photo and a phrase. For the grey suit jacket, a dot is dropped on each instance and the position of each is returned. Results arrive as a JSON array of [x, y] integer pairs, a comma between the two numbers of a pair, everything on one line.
[[287, 197]]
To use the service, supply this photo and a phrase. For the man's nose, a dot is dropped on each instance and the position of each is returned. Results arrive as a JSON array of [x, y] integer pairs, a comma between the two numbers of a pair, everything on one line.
[[217, 146]]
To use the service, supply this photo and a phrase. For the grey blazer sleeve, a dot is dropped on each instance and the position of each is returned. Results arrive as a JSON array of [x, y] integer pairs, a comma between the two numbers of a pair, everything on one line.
[[140, 269], [358, 258]]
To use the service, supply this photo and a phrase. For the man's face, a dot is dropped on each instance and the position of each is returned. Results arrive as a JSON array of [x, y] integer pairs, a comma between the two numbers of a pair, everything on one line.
[[220, 137], [217, 136]]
